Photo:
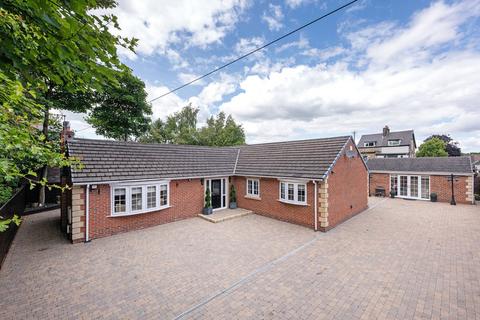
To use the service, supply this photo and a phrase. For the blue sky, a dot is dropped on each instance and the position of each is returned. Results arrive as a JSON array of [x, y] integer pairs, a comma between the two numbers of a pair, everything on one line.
[[408, 64]]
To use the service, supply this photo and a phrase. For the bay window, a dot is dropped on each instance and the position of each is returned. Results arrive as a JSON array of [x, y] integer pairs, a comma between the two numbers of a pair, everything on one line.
[[139, 198], [293, 192]]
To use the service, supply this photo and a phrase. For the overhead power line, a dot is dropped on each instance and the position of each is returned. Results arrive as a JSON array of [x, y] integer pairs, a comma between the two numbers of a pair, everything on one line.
[[256, 50]]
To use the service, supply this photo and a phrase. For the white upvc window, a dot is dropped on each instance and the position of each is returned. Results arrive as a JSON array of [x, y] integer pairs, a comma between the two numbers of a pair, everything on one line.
[[394, 142], [370, 144], [119, 200], [139, 198], [253, 187], [293, 192]]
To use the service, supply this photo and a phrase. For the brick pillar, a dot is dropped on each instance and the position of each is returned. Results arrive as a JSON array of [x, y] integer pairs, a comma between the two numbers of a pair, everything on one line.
[[469, 195], [323, 204], [78, 214]]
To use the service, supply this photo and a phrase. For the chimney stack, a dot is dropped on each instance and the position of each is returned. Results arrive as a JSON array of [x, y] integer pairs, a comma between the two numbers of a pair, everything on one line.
[[67, 133], [386, 131]]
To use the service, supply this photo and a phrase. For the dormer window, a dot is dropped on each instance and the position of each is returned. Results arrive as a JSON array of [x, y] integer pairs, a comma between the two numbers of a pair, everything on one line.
[[395, 142], [370, 144]]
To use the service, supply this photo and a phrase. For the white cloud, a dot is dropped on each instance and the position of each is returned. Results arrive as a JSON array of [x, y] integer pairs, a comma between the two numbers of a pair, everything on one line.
[[433, 91], [324, 54], [274, 17], [429, 29], [245, 45], [164, 106], [213, 93], [185, 77], [158, 24], [301, 43], [296, 3]]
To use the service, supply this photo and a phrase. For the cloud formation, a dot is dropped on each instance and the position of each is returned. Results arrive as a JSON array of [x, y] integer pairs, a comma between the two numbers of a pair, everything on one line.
[[423, 75], [273, 17], [159, 24]]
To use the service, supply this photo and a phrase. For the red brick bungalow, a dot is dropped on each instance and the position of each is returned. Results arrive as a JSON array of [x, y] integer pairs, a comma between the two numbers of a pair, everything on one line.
[[417, 178], [126, 186]]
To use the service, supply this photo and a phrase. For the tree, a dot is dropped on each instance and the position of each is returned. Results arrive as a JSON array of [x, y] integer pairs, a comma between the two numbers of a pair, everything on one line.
[[451, 146], [121, 111], [44, 45], [179, 128], [433, 147], [221, 131]]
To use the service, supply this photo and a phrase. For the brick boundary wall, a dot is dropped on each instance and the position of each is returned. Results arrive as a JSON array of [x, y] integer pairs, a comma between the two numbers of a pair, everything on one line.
[[347, 187], [269, 205], [438, 184]]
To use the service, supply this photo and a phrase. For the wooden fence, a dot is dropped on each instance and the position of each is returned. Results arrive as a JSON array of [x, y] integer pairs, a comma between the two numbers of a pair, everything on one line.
[[16, 205]]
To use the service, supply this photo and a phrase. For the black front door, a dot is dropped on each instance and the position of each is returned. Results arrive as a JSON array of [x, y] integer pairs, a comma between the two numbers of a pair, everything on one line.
[[216, 193]]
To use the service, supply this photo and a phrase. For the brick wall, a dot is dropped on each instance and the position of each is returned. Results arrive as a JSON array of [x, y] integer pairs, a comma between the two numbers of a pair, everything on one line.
[[270, 206], [347, 188], [443, 188], [379, 180], [438, 184], [186, 201]]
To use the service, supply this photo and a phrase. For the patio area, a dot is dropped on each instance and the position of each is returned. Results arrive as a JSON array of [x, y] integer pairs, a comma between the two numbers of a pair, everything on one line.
[[398, 260]]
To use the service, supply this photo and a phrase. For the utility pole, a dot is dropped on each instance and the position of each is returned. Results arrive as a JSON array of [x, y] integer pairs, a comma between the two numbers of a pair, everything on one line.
[[354, 134]]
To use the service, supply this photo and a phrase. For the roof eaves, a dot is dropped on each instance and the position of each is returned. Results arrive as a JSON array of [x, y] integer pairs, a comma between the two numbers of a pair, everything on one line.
[[433, 173], [325, 175]]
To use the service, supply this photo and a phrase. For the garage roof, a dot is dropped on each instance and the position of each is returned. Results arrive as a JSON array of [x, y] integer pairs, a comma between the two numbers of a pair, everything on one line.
[[446, 165]]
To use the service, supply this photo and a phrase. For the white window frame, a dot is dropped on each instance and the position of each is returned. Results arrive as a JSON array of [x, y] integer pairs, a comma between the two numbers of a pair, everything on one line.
[[253, 180], [295, 192], [367, 144], [394, 142], [128, 196], [409, 183]]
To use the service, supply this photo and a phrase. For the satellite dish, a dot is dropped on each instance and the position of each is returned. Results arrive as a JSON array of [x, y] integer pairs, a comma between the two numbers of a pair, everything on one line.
[[350, 154]]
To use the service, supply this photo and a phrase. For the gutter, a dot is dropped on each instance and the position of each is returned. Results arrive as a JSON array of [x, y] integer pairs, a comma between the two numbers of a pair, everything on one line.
[[87, 213]]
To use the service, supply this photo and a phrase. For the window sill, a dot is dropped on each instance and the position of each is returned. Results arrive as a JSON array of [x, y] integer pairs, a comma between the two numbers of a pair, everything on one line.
[[303, 204], [137, 213], [252, 197]]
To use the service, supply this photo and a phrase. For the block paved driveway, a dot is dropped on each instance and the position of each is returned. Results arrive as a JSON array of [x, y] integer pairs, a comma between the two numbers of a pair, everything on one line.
[[399, 260]]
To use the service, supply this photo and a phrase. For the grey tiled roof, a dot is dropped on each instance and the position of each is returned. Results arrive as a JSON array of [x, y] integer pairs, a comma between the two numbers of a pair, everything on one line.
[[406, 138], [105, 160], [447, 165], [300, 159]]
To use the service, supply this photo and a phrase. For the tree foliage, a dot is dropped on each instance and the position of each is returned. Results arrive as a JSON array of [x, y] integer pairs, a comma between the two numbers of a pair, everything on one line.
[[181, 128], [221, 131], [45, 45], [433, 147], [451, 146], [120, 111]]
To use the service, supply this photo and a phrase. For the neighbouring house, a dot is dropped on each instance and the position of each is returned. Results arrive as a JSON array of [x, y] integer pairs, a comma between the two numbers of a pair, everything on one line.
[[388, 144], [125, 186], [476, 162], [417, 178]]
